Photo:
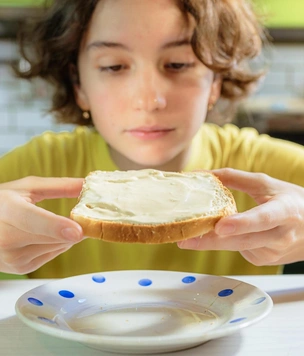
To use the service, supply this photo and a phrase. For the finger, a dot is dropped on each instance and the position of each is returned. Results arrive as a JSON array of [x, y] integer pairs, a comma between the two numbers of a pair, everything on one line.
[[251, 183], [13, 238], [23, 256], [244, 242], [261, 218], [41, 188], [262, 257], [37, 262], [58, 188], [37, 221]]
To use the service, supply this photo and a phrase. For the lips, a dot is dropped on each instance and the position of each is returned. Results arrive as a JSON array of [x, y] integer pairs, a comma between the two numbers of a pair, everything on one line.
[[150, 132]]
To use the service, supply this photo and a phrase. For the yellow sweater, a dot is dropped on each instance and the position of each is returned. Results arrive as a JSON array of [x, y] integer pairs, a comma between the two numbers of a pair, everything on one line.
[[77, 153]]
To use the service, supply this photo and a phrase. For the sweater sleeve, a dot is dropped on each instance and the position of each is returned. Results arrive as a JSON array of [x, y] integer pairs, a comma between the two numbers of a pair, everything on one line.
[[248, 150]]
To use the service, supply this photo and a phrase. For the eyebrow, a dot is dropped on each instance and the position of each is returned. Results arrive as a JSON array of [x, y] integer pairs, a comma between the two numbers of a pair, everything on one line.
[[105, 44], [184, 42]]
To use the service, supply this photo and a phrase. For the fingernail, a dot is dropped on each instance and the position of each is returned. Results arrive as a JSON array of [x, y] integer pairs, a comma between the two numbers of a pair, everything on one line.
[[71, 234], [190, 244], [226, 229]]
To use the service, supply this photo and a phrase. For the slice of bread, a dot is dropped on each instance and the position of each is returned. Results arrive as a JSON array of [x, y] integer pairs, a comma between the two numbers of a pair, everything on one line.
[[150, 206]]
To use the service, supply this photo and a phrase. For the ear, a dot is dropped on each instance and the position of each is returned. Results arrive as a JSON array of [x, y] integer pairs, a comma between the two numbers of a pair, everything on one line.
[[216, 89], [80, 96]]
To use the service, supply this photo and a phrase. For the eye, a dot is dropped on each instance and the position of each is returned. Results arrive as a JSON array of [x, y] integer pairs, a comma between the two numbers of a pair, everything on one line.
[[177, 67], [112, 69]]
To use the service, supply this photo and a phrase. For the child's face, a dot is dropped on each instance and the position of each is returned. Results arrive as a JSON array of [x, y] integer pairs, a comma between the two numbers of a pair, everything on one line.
[[146, 90]]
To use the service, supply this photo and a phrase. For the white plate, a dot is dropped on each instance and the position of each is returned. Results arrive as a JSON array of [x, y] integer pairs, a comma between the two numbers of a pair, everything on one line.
[[142, 311]]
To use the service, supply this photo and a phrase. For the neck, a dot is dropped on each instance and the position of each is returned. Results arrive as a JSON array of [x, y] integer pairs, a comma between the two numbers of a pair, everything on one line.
[[177, 164]]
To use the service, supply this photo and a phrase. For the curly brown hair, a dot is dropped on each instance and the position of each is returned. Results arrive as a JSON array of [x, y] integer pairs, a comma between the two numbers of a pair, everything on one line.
[[227, 34]]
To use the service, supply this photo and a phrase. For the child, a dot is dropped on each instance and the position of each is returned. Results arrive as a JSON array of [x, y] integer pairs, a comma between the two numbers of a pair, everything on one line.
[[138, 77]]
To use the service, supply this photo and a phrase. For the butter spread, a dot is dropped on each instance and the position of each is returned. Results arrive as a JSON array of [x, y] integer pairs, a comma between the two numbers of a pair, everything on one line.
[[148, 196]]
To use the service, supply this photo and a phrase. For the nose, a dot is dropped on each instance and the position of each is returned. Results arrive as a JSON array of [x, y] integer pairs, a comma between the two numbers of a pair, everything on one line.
[[148, 92]]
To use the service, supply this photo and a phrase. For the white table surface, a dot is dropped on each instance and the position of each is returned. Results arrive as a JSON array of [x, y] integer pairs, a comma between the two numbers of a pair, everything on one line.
[[280, 333]]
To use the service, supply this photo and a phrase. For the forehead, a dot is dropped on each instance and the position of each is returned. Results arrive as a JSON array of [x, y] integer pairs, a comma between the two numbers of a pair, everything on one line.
[[140, 18]]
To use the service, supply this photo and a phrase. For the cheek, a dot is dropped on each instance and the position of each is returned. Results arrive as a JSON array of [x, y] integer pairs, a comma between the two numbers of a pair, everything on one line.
[[108, 111], [194, 102], [194, 111], [193, 95], [106, 104]]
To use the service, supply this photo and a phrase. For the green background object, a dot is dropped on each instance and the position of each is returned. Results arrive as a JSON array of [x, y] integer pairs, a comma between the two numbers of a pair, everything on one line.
[[282, 13], [279, 13], [25, 3]]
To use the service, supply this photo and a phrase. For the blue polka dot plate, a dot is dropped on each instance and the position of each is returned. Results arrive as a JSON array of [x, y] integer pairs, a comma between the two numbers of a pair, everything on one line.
[[139, 312]]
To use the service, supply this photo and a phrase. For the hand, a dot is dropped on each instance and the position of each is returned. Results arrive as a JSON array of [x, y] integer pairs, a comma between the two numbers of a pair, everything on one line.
[[31, 236], [271, 233]]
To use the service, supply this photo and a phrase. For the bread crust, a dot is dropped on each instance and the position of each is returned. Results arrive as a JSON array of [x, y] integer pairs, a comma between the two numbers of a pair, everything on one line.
[[122, 232], [148, 234]]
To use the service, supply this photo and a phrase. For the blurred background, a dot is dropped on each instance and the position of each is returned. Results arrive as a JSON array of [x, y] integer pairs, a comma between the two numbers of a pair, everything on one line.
[[277, 108]]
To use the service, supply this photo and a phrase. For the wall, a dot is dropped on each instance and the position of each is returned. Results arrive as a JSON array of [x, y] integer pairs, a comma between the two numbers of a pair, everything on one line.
[[23, 104], [285, 76]]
